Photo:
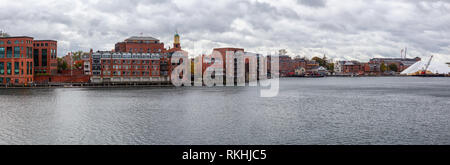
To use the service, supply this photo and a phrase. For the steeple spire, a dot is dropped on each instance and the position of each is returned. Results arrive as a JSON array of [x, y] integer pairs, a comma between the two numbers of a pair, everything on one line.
[[176, 40]]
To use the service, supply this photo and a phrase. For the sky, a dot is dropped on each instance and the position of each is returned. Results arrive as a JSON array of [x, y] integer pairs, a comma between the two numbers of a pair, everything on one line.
[[341, 29]]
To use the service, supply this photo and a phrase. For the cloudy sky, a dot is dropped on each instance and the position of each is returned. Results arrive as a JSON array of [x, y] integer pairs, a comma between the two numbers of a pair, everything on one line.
[[343, 29]]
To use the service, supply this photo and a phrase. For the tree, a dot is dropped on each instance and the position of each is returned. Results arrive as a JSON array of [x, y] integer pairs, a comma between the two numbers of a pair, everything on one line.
[[78, 64], [77, 55], [331, 67], [62, 65], [324, 63], [320, 61], [282, 52], [383, 67], [393, 67]]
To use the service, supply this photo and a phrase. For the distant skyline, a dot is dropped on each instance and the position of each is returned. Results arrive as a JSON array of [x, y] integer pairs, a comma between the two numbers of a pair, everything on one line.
[[342, 29]]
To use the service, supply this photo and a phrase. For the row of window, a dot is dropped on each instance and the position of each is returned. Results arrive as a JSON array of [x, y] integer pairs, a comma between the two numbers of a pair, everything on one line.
[[27, 42], [17, 69], [154, 62], [9, 52], [16, 42], [16, 52], [43, 44], [128, 73], [142, 41], [142, 50], [8, 80], [154, 67]]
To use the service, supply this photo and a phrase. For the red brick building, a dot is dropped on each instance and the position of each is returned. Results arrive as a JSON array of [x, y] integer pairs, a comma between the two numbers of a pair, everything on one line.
[[16, 60], [401, 63], [45, 57], [137, 59], [349, 68], [137, 44], [125, 67], [223, 53]]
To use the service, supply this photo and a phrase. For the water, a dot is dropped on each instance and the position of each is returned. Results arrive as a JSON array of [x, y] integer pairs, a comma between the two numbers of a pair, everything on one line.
[[381, 110]]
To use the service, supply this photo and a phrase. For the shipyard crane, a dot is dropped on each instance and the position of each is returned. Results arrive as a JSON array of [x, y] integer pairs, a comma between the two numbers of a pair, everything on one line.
[[406, 51], [403, 53], [427, 66]]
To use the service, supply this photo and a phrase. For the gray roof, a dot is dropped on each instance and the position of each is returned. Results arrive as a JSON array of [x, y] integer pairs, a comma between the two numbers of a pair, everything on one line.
[[142, 38], [408, 62]]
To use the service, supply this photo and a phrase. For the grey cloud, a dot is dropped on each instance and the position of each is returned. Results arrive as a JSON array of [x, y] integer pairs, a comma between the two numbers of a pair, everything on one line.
[[342, 28], [312, 3]]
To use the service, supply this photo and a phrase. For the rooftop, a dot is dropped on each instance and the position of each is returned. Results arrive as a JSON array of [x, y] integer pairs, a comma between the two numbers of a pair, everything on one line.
[[142, 38], [395, 59], [45, 41], [4, 37]]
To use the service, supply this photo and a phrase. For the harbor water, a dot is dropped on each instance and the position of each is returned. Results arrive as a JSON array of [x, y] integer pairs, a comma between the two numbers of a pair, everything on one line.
[[367, 110]]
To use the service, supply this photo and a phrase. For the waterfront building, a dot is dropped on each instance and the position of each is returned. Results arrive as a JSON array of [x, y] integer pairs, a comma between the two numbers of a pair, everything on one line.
[[300, 71], [87, 60], [348, 68], [319, 71], [286, 65], [140, 44], [311, 64], [118, 67], [16, 59], [45, 57], [149, 45], [401, 63], [299, 62], [223, 53], [372, 69], [290, 66]]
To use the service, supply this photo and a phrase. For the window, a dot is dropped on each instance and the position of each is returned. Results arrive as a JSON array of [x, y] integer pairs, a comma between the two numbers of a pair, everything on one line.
[[8, 68], [2, 52], [46, 44], [30, 52], [1, 43], [1, 80], [44, 57], [9, 52], [36, 57], [16, 52], [16, 68], [28, 66], [16, 42], [2, 69], [31, 68], [16, 81], [9, 42]]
